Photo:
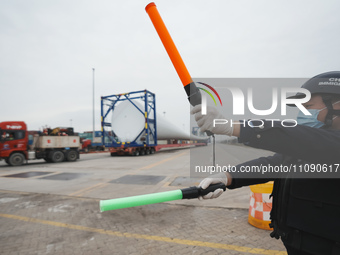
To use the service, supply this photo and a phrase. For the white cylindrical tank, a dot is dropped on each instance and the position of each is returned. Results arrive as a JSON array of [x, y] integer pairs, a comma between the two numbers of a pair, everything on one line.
[[128, 121]]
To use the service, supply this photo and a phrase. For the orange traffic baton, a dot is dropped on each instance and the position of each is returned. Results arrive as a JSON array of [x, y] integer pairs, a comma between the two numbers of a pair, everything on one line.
[[193, 93]]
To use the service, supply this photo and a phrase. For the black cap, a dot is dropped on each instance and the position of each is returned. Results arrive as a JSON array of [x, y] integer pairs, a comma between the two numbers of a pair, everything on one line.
[[325, 83]]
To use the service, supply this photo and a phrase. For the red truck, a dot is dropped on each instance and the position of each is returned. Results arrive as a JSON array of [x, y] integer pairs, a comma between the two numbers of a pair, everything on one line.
[[53, 147]]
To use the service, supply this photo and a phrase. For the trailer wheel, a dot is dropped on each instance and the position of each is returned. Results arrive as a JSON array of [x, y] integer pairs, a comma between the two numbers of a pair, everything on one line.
[[47, 159], [147, 152], [16, 159], [135, 153], [71, 155], [57, 156], [142, 152], [152, 151]]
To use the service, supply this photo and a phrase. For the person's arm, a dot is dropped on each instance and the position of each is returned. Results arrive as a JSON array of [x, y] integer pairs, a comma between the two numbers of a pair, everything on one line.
[[313, 145], [239, 178]]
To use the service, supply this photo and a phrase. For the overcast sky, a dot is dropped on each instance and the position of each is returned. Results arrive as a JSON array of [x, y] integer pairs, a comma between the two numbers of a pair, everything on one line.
[[48, 50]]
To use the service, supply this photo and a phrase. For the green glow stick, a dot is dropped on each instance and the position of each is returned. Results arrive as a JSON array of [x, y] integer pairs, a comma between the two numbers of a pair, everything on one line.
[[125, 202], [188, 193]]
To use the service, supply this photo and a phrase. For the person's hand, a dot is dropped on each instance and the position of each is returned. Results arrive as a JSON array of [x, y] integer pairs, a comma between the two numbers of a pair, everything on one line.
[[206, 122], [213, 179]]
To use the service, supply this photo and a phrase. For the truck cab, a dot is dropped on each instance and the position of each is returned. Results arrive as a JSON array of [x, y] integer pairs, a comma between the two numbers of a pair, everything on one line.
[[13, 142], [60, 144]]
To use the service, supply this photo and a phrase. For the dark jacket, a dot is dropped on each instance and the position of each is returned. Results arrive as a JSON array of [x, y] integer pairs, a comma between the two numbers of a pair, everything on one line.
[[307, 202]]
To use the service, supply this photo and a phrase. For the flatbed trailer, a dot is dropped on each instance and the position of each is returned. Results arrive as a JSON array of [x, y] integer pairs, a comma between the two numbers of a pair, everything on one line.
[[136, 151]]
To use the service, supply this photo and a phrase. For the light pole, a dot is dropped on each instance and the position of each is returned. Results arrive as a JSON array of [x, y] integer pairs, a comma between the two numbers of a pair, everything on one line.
[[93, 106]]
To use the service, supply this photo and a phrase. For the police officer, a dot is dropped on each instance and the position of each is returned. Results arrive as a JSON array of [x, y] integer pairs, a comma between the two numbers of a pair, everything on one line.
[[306, 212]]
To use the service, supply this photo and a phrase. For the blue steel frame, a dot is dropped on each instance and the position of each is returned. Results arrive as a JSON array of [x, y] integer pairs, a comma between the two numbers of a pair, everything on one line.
[[108, 105]]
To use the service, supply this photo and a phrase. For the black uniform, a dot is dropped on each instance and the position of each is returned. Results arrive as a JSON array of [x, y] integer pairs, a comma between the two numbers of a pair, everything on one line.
[[306, 212]]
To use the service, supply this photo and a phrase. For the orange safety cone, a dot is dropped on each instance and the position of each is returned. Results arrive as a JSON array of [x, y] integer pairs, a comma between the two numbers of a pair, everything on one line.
[[260, 205]]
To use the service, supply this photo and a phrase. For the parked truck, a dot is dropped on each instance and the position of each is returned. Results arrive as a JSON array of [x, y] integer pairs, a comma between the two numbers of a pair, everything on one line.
[[90, 144], [52, 145]]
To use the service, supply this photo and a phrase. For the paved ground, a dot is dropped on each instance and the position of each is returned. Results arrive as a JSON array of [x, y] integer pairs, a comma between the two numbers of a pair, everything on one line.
[[54, 209]]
